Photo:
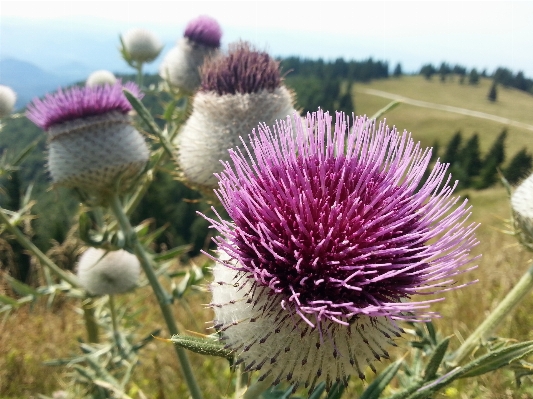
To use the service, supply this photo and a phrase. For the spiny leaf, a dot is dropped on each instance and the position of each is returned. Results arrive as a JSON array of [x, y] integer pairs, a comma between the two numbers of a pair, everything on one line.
[[379, 384], [203, 346]]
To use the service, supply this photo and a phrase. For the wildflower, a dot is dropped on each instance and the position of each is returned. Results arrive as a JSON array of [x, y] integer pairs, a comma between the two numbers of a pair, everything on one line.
[[238, 91], [522, 204], [330, 238], [102, 273], [7, 101], [92, 145], [180, 67], [101, 77], [141, 45]]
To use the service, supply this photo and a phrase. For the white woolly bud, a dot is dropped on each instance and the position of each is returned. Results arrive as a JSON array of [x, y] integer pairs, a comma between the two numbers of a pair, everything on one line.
[[101, 272], [268, 337], [97, 152], [522, 204], [181, 65], [7, 101], [101, 77], [141, 45], [217, 123]]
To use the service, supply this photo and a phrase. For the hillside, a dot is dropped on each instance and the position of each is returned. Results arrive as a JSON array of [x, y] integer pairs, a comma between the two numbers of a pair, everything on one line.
[[428, 125]]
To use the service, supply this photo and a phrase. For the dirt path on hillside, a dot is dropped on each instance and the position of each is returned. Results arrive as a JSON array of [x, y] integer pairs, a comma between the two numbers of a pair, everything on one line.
[[448, 108]]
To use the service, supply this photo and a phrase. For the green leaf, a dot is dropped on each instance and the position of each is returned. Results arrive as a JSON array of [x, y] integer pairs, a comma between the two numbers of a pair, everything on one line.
[[203, 346], [497, 359], [172, 253], [436, 360], [320, 388], [379, 384], [20, 287], [145, 115], [336, 391], [8, 301], [390, 106], [25, 152]]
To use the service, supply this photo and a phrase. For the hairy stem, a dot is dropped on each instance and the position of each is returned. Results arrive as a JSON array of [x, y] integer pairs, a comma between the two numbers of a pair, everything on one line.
[[163, 297]]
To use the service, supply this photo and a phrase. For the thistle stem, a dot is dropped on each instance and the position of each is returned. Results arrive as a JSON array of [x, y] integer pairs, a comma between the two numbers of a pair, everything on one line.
[[163, 298], [519, 291], [90, 320], [45, 260], [254, 391], [113, 311]]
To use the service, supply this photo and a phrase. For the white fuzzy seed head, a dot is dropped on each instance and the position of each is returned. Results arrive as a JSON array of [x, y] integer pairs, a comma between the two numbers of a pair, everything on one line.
[[141, 45], [522, 204], [7, 101], [102, 273], [95, 153], [181, 65], [218, 122], [279, 345], [101, 77]]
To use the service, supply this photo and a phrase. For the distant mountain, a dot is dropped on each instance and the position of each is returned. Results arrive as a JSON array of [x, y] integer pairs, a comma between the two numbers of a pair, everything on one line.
[[28, 80]]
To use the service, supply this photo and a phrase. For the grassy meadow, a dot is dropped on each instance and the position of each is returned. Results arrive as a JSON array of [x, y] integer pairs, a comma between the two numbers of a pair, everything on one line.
[[38, 333]]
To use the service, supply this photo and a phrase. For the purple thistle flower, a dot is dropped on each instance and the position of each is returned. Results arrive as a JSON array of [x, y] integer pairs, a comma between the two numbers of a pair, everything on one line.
[[330, 238], [92, 145], [242, 70], [80, 102], [204, 30]]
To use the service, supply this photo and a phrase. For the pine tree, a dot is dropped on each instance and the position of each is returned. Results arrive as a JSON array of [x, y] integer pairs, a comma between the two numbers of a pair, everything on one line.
[[493, 94], [493, 160], [519, 166], [346, 103], [452, 150], [471, 156], [473, 78], [397, 71]]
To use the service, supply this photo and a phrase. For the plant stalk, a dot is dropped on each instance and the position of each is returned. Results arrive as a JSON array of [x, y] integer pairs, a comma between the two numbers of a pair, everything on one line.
[[162, 297], [90, 320], [506, 306]]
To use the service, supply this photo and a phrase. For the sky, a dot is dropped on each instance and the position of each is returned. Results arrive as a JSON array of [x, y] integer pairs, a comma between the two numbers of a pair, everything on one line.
[[481, 34]]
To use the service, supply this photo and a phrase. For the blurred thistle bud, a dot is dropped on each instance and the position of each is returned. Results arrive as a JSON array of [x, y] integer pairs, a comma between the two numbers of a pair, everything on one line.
[[522, 204], [7, 101], [140, 46], [93, 146], [238, 91], [101, 77], [103, 272], [180, 67]]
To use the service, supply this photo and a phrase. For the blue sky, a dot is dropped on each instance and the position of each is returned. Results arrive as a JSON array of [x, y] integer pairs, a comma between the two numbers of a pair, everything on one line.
[[482, 34]]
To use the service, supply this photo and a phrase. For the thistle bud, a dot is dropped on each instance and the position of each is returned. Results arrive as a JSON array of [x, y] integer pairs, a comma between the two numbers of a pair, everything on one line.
[[7, 101], [101, 77], [180, 67], [103, 273], [141, 45]]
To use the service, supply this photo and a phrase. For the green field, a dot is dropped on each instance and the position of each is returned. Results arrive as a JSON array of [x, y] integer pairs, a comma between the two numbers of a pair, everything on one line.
[[428, 125]]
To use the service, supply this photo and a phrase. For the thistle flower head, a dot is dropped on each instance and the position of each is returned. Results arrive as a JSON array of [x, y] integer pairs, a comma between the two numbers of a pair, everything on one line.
[[92, 145], [243, 70], [204, 30], [332, 233], [239, 90], [80, 102], [7, 100], [522, 204], [141, 45], [100, 78], [102, 273]]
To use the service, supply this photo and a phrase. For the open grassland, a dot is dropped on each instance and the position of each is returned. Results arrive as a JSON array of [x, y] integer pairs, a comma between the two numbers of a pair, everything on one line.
[[36, 334], [429, 125]]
